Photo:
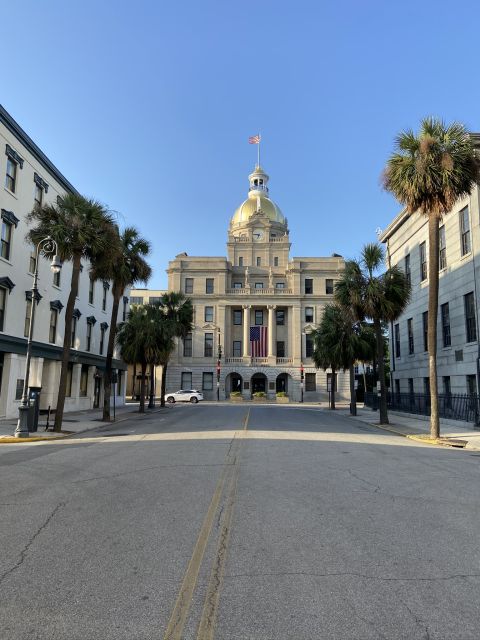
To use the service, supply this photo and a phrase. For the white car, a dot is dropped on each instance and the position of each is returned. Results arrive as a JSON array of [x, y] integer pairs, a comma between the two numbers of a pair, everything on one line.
[[184, 395]]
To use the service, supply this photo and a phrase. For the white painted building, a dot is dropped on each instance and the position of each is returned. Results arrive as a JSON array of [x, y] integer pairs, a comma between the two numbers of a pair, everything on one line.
[[406, 239], [28, 177]]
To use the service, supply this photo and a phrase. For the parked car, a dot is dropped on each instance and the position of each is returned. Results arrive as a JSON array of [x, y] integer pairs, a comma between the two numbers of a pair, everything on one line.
[[184, 395]]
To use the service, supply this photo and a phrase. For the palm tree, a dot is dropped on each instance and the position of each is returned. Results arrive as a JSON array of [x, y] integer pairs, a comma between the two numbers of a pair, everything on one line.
[[380, 298], [125, 266], [429, 173], [82, 229], [178, 312]]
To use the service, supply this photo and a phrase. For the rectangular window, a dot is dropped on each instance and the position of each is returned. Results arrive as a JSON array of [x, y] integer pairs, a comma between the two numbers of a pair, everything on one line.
[[187, 346], [258, 285], [258, 317], [397, 341], [104, 299], [423, 262], [447, 389], [89, 335], [102, 339], [470, 324], [124, 310], [19, 389], [6, 240], [209, 285], [38, 195], [84, 380], [28, 315], [259, 261], [207, 381], [308, 314], [280, 285], [411, 345], [237, 316], [237, 348], [410, 386], [56, 278], [308, 285], [3, 302], [397, 387], [91, 290], [408, 273], [238, 285], [154, 299], [280, 349], [208, 345], [471, 384], [445, 313], [68, 392], [188, 285], [208, 314], [425, 330], [329, 286], [275, 262], [135, 300], [53, 326], [74, 332], [465, 231], [280, 317], [426, 386], [310, 382], [186, 380], [11, 175], [240, 261], [442, 249], [308, 345]]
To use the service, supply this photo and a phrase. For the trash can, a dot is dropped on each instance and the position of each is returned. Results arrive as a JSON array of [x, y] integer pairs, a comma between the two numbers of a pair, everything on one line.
[[33, 408]]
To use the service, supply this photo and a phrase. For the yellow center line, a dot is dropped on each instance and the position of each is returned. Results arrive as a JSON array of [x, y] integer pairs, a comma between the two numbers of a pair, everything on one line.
[[246, 419]]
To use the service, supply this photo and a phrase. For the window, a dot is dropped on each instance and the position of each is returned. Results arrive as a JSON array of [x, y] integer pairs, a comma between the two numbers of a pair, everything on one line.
[[3, 302], [410, 386], [68, 392], [258, 317], [308, 285], [28, 315], [259, 261], [329, 286], [280, 349], [89, 335], [6, 240], [408, 273], [280, 285], [237, 348], [310, 382], [411, 346], [32, 262], [423, 262], [209, 285], [275, 262], [38, 195], [74, 332], [237, 316], [11, 175], [426, 386], [124, 310], [238, 285], [187, 346], [19, 389], [53, 326], [258, 285], [120, 382], [207, 381], [447, 389], [397, 341], [136, 300], [188, 285], [84, 380], [309, 345], [471, 384], [208, 314], [91, 291], [470, 324], [465, 231], [280, 317], [102, 338], [186, 379], [397, 387], [154, 299], [104, 298], [442, 249], [208, 346], [308, 314], [445, 313], [240, 261], [425, 330], [56, 278]]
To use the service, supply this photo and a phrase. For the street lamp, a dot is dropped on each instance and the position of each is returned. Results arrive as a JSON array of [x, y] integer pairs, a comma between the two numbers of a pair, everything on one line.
[[301, 380], [219, 354], [47, 245]]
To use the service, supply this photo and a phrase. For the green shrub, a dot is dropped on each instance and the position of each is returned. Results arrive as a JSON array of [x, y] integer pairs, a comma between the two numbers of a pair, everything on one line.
[[281, 394], [259, 394], [235, 394]]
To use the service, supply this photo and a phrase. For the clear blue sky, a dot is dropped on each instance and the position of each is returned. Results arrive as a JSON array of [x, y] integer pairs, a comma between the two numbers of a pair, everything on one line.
[[148, 106]]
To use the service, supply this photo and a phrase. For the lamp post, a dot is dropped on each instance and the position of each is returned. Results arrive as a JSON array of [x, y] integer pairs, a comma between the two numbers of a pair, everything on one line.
[[219, 354], [301, 381], [47, 246]]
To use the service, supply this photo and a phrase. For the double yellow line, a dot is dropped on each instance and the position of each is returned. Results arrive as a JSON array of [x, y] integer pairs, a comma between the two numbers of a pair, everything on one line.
[[206, 628]]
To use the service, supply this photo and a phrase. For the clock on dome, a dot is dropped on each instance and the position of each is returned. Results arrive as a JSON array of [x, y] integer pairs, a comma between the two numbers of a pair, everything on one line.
[[258, 234]]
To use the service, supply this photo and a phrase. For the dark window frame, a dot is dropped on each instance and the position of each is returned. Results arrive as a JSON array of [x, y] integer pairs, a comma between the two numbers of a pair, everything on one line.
[[209, 285], [411, 339], [445, 319], [237, 317], [188, 345], [425, 330], [208, 315], [465, 241], [188, 285], [308, 286], [397, 341], [442, 249], [470, 317], [237, 348], [258, 315], [208, 345], [423, 262], [329, 286]]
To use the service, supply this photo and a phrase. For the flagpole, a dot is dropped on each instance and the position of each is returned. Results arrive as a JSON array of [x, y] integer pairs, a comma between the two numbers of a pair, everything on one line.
[[258, 154]]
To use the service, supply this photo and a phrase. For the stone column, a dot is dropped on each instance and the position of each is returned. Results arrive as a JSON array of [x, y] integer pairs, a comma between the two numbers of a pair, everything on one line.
[[271, 330], [246, 329]]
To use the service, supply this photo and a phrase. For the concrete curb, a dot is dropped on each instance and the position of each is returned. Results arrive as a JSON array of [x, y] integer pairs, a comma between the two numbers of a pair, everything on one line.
[[454, 443]]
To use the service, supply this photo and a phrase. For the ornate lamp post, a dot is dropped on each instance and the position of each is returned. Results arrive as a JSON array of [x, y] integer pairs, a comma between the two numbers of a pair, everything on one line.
[[47, 246], [219, 354]]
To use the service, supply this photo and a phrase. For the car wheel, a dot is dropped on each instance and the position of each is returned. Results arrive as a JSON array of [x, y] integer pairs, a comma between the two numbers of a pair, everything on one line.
[[171, 399], [194, 399]]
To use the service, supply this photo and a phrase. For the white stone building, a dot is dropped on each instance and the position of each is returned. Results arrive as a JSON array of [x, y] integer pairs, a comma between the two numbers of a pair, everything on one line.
[[256, 291], [28, 177], [406, 239]]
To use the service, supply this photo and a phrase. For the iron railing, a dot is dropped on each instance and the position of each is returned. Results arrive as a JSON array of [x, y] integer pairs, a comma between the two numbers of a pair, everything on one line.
[[464, 407]]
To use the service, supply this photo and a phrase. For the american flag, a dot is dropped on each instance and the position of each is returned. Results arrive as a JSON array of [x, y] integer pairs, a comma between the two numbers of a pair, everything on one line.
[[254, 139], [258, 342]]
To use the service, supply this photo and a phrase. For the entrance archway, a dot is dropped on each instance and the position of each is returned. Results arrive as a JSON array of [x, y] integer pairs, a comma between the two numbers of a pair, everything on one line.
[[259, 383], [233, 382], [281, 383]]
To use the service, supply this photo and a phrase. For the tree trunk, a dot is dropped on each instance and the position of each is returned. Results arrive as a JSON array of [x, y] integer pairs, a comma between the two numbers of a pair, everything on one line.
[[164, 384], [134, 380], [67, 337], [433, 258], [381, 372], [141, 409], [107, 383], [353, 399], [332, 387], [151, 400]]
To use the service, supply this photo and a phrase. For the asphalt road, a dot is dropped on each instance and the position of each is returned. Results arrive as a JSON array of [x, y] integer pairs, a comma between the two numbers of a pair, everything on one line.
[[239, 522]]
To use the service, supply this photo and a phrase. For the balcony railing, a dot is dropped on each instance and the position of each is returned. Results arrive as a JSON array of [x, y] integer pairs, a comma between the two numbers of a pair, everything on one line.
[[284, 360], [257, 361], [259, 292]]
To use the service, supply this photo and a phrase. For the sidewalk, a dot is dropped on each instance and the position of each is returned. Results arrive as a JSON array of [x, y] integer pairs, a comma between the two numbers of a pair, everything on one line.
[[418, 427]]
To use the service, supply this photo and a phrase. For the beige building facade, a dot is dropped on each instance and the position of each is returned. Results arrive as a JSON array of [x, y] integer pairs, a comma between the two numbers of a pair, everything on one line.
[[254, 309]]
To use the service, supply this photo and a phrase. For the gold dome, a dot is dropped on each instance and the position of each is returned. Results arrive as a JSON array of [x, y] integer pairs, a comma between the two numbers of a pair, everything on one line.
[[246, 210]]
